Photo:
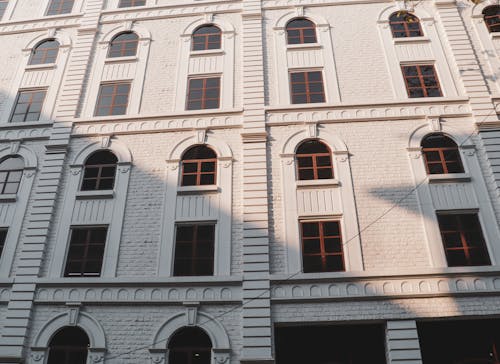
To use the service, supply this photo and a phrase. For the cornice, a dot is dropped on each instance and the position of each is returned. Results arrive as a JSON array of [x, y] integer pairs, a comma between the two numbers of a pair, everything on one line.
[[40, 24]]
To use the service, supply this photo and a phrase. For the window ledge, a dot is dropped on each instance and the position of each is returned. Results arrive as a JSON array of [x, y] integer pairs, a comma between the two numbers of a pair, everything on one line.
[[450, 177], [39, 67], [121, 59], [87, 195], [293, 47], [208, 52], [495, 35], [197, 189], [411, 40], [318, 183], [8, 197]]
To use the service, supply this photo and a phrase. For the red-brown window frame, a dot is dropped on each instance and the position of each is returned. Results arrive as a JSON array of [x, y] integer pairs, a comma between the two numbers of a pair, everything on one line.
[[442, 159], [44, 51], [119, 46], [307, 83], [194, 259], [114, 95], [405, 23], [99, 178], [204, 91], [206, 38], [131, 3], [421, 78], [314, 157], [301, 31], [199, 173], [322, 253], [86, 246], [30, 103], [492, 27], [51, 10]]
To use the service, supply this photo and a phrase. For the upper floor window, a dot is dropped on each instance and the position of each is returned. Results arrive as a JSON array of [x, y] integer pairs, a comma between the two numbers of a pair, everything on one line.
[[206, 37], [123, 45], [441, 154], [69, 346], [300, 31], [314, 161], [3, 7], [194, 250], [99, 171], [203, 93], [492, 18], [28, 106], [86, 251], [307, 87], [463, 240], [421, 81], [322, 248], [57, 7], [112, 99], [130, 3], [405, 25], [45, 52], [199, 166], [3, 237], [11, 172]]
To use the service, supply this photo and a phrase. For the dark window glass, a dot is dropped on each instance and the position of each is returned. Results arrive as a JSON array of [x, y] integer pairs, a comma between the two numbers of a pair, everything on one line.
[[123, 45], [45, 52], [300, 31], [86, 252], [421, 81], [3, 237], [199, 166], [463, 240], [69, 346], [130, 3], [113, 99], [3, 6], [28, 106], [206, 37], [441, 155], [99, 172], [57, 7], [203, 93], [405, 25], [307, 87], [322, 248], [190, 345], [194, 250], [314, 161], [11, 172], [492, 18]]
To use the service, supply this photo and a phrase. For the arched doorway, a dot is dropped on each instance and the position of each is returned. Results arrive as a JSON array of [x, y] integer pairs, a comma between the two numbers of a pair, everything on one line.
[[69, 346], [190, 345]]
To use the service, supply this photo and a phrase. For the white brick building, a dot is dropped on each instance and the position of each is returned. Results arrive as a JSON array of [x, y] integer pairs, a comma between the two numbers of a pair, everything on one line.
[[249, 182]]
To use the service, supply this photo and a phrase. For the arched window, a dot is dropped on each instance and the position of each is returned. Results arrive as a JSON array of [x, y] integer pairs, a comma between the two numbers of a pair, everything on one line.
[[99, 172], [206, 37], [199, 166], [300, 31], [190, 345], [314, 161], [123, 45], [492, 18], [441, 154], [44, 53], [405, 25], [69, 346], [11, 171]]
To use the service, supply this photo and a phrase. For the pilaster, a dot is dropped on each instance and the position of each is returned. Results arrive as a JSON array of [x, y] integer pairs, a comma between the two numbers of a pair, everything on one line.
[[402, 342]]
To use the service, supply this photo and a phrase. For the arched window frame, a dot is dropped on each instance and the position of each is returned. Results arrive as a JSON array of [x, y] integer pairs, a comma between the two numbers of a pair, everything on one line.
[[301, 32], [407, 29], [314, 158], [442, 158], [199, 168], [100, 168], [496, 16], [194, 35], [122, 49], [64, 331], [33, 52]]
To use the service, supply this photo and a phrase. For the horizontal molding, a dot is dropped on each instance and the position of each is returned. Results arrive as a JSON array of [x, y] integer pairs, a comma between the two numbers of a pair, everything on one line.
[[40, 23]]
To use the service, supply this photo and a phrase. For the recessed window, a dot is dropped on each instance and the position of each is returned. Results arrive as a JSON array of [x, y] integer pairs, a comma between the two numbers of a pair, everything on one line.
[[491, 16], [194, 250], [314, 161], [3, 237], [113, 99], [206, 37], [421, 81], [99, 171], [405, 25], [28, 106], [190, 345], [11, 172], [203, 93], [123, 45], [57, 7], [86, 252], [3, 7], [199, 166], [45, 52], [130, 3], [300, 31], [322, 249], [441, 155], [463, 240], [307, 87], [69, 345]]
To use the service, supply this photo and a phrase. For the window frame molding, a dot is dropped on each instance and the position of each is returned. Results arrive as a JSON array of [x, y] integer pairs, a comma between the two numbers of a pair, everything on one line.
[[113, 5], [117, 200], [77, 8]]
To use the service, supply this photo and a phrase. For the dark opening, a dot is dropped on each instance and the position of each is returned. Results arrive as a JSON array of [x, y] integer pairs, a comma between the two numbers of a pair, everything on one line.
[[69, 346], [190, 345]]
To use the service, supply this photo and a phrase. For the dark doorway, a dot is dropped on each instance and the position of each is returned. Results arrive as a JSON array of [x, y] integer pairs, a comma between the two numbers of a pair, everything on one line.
[[69, 346], [343, 344], [190, 345], [460, 342]]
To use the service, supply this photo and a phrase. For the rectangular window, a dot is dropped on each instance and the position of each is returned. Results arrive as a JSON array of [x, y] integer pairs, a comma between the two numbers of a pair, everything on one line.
[[3, 7], [463, 240], [112, 99], [58, 7], [322, 248], [421, 81], [86, 251], [130, 3], [203, 93], [28, 106], [194, 250], [307, 87], [3, 237]]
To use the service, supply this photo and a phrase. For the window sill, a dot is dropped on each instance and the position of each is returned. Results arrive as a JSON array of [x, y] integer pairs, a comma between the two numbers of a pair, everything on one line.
[[411, 40], [208, 52], [40, 67], [121, 59], [450, 177], [8, 197], [184, 190], [318, 183], [495, 35], [293, 47], [89, 195]]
